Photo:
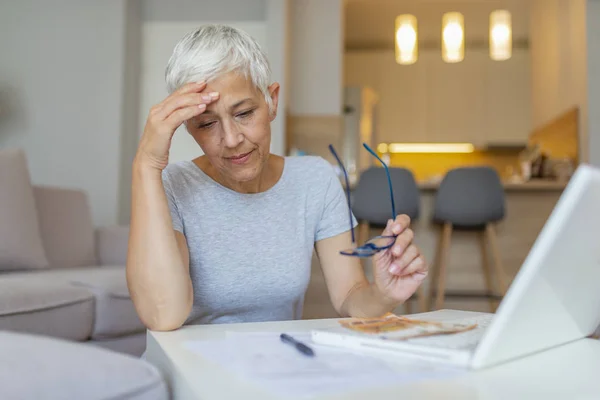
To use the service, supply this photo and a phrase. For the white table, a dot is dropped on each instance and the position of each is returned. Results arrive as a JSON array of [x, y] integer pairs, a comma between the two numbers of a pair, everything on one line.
[[571, 371]]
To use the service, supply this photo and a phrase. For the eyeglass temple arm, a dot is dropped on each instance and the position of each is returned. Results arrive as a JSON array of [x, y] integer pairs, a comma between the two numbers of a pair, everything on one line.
[[347, 188], [387, 172]]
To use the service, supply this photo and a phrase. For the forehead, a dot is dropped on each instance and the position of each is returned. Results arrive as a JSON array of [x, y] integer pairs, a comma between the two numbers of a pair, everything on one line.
[[231, 86]]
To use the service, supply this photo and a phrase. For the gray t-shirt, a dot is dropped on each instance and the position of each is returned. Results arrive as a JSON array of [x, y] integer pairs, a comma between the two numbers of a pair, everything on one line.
[[250, 254]]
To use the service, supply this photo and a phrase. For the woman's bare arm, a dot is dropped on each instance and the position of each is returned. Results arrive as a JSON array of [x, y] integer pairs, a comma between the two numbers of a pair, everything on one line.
[[158, 260], [397, 272]]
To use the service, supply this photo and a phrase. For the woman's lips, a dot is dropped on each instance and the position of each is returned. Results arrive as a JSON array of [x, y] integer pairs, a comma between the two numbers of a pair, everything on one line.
[[240, 159]]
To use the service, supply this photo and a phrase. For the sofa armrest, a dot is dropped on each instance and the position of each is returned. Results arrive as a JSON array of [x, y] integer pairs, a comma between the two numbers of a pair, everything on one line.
[[111, 244]]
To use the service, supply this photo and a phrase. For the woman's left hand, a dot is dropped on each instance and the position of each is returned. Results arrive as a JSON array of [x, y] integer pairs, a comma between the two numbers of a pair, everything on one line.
[[400, 269]]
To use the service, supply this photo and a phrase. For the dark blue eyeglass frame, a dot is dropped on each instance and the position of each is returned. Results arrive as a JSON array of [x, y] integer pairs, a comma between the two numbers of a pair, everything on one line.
[[378, 243]]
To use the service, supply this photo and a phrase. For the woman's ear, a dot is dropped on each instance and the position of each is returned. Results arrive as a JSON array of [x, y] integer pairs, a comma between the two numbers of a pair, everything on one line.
[[274, 93]]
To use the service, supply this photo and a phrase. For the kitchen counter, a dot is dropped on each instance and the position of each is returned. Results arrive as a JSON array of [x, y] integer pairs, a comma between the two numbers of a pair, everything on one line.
[[532, 185]]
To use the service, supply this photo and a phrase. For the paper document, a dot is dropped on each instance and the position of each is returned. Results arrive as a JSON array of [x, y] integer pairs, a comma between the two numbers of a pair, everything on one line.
[[283, 370]]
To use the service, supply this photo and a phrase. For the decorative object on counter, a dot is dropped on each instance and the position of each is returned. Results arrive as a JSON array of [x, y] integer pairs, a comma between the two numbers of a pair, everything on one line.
[[469, 198], [559, 137], [563, 169], [512, 176], [538, 166], [548, 168], [526, 160]]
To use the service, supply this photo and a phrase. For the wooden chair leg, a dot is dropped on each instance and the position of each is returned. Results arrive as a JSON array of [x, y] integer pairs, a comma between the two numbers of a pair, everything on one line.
[[498, 268], [362, 235], [487, 272], [408, 306], [422, 299], [434, 273], [443, 262]]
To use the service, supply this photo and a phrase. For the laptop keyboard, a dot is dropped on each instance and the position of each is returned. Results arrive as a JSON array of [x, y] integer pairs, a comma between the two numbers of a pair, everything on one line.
[[460, 341]]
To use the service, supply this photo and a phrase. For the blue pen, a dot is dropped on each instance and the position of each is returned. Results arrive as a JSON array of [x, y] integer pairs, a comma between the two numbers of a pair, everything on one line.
[[301, 347]]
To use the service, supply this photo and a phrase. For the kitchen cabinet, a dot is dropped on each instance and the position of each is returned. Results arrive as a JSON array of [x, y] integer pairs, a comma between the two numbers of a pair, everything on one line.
[[402, 107], [508, 100], [478, 100], [455, 110]]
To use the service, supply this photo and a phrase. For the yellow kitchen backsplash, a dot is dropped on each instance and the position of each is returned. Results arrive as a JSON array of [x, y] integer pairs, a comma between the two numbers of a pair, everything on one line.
[[426, 166], [557, 139]]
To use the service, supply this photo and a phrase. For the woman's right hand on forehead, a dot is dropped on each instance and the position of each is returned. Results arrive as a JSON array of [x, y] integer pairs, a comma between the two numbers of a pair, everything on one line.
[[165, 117]]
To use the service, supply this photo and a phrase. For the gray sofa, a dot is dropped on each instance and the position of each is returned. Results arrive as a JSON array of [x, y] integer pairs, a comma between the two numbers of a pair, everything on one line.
[[37, 367], [59, 275]]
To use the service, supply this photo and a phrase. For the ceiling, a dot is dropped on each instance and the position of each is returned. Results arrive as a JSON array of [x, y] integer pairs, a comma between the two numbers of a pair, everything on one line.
[[370, 23]]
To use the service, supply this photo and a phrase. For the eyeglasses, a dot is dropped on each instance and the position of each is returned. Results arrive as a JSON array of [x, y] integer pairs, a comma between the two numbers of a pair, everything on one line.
[[378, 243]]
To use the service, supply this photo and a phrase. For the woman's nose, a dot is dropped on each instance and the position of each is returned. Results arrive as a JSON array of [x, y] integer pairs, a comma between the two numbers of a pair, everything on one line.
[[232, 135]]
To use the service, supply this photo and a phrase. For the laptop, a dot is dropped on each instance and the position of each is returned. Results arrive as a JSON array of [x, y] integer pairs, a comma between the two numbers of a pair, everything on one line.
[[553, 300]]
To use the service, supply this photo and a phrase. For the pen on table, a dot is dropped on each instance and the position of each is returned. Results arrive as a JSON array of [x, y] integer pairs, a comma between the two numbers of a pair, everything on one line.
[[301, 347]]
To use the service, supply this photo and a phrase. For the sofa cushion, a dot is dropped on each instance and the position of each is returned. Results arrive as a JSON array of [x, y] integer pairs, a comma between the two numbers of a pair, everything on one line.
[[114, 313], [21, 245], [49, 308], [111, 244], [42, 368], [134, 344], [66, 227]]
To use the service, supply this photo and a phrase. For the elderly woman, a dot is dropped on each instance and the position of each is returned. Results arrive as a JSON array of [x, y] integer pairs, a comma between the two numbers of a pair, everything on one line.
[[229, 236]]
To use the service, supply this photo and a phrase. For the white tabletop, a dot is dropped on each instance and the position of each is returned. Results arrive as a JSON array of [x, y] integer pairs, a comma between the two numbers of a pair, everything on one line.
[[570, 371]]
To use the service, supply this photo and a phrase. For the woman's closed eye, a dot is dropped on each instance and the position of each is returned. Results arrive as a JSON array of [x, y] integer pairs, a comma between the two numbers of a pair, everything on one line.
[[206, 125], [242, 115], [245, 114]]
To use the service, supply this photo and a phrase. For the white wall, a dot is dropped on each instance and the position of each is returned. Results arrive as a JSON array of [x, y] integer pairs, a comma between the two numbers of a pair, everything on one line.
[[317, 57], [593, 80], [558, 62], [131, 104], [593, 84], [278, 38], [204, 10], [64, 59]]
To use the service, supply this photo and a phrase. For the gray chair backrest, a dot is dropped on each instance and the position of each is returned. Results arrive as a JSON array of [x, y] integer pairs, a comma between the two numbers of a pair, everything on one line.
[[371, 197], [470, 197]]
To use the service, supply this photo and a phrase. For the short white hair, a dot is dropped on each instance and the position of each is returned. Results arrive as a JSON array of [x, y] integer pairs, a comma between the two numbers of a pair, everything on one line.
[[213, 50]]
